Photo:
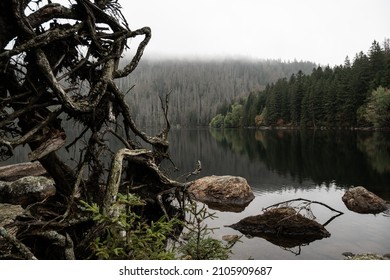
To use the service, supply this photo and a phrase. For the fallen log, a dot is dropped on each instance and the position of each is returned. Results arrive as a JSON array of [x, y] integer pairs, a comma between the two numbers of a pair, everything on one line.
[[16, 171]]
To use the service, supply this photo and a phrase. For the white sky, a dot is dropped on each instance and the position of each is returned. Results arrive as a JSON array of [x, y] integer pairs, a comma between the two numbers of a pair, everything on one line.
[[322, 31]]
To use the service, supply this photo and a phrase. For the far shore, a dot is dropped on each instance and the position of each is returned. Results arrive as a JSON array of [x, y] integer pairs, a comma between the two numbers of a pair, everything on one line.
[[308, 128]]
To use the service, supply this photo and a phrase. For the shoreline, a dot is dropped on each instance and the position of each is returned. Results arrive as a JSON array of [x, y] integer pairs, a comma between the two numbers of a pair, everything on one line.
[[309, 128]]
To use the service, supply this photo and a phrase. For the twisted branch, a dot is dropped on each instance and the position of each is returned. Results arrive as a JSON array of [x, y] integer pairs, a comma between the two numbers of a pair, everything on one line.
[[72, 67], [23, 249]]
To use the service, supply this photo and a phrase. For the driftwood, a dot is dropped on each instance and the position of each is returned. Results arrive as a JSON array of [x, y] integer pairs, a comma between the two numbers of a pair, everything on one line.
[[307, 202], [16, 171], [305, 205], [51, 145]]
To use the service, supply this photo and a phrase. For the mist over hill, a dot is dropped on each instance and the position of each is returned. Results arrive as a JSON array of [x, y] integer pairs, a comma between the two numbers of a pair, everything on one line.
[[197, 88]]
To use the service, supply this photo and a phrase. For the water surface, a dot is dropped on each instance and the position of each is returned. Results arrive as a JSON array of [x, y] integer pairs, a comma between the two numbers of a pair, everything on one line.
[[283, 165]]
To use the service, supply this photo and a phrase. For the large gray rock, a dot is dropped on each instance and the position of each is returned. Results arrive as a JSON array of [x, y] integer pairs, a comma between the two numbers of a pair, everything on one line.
[[26, 190], [224, 193], [360, 200]]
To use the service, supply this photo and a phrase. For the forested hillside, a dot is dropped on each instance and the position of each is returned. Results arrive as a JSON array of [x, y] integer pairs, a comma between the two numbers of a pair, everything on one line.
[[198, 88], [355, 94]]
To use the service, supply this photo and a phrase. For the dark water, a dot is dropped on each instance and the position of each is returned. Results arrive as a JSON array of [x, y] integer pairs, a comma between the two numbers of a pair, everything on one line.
[[283, 165]]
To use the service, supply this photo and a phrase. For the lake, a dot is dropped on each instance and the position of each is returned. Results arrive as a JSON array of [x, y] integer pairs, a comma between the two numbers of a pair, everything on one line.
[[280, 165]]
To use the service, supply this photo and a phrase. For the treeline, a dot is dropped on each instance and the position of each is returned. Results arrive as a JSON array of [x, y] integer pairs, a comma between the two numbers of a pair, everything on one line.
[[355, 94], [197, 88]]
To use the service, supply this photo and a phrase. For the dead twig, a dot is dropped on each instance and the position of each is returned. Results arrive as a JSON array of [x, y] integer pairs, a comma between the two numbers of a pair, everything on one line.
[[303, 199]]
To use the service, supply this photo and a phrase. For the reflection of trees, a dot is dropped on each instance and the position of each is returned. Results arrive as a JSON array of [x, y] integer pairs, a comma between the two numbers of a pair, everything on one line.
[[345, 157], [377, 149], [218, 157]]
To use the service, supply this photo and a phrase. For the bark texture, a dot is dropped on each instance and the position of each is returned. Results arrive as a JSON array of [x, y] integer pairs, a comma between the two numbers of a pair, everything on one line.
[[59, 63]]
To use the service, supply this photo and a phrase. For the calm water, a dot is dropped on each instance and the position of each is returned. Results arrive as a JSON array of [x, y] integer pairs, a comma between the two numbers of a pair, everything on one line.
[[283, 165]]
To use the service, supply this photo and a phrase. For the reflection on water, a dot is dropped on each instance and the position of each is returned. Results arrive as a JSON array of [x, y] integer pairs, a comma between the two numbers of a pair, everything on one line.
[[345, 157], [377, 149], [283, 165]]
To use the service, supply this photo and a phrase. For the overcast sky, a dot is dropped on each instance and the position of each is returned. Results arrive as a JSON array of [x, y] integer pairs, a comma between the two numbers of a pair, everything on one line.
[[322, 31]]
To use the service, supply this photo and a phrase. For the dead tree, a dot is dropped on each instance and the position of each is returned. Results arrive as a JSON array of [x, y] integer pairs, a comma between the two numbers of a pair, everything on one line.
[[60, 63]]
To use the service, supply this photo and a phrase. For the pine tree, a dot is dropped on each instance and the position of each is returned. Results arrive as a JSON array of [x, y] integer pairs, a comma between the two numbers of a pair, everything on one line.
[[296, 97], [377, 64], [330, 101]]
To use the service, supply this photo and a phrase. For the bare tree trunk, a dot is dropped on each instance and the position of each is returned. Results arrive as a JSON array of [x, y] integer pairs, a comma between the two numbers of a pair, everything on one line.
[[58, 70]]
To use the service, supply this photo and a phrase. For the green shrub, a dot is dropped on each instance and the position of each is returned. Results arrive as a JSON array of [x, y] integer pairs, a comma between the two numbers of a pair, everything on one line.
[[197, 242], [217, 121], [125, 235]]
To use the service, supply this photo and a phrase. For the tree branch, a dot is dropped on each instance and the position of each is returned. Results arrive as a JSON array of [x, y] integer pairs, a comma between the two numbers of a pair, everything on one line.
[[125, 110], [115, 175], [43, 39], [303, 199], [30, 134], [165, 107], [23, 249], [49, 12], [140, 50], [14, 115], [84, 105]]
